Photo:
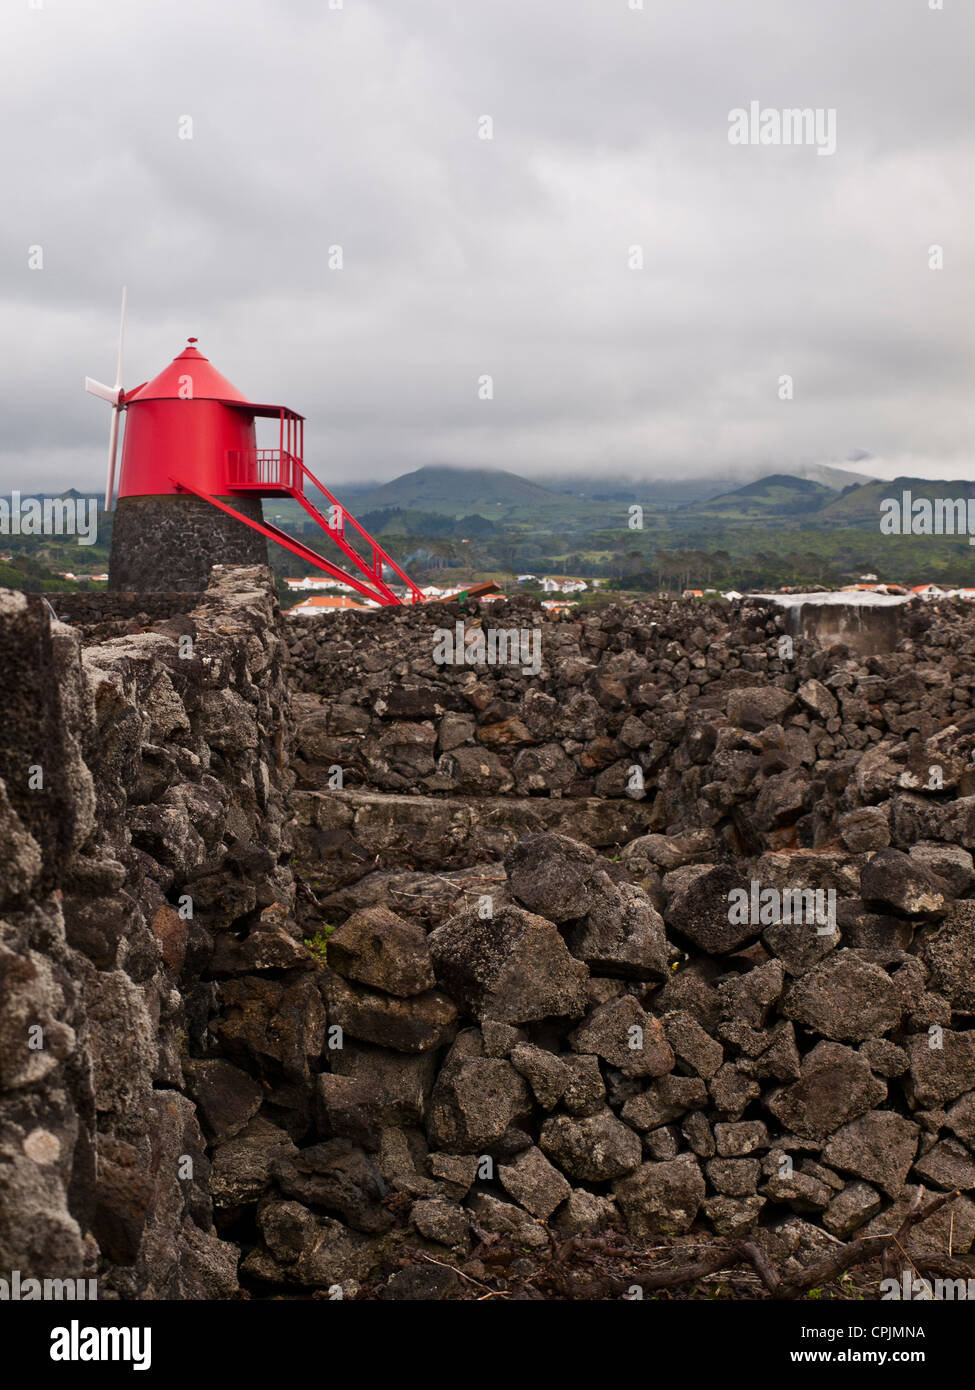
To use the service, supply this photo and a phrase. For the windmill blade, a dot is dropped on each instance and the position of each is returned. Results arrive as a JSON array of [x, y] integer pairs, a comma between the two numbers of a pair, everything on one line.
[[115, 396], [112, 394], [112, 451]]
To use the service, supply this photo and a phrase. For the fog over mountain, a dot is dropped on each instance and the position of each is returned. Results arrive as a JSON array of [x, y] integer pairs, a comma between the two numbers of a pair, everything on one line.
[[359, 128]]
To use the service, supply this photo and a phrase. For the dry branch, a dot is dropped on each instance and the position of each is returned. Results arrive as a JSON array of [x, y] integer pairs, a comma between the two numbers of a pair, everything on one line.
[[748, 1252]]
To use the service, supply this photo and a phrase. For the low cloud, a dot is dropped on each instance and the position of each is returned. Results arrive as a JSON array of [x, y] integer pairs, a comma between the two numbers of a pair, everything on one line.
[[511, 257]]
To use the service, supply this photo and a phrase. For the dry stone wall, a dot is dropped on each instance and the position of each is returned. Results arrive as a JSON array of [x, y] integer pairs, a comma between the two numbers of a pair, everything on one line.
[[144, 807], [736, 1070], [260, 1031]]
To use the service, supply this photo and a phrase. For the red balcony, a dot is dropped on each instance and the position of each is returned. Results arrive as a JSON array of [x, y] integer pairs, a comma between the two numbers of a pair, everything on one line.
[[264, 470], [271, 471]]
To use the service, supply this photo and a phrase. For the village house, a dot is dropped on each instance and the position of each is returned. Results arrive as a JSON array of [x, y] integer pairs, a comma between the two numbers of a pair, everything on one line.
[[314, 582], [320, 604], [563, 585]]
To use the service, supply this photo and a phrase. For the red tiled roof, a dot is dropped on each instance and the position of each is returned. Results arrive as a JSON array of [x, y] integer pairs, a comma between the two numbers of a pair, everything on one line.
[[327, 601]]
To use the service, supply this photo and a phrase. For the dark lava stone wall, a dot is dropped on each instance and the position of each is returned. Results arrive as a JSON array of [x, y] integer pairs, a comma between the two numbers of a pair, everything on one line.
[[161, 817], [483, 990], [171, 543], [108, 605]]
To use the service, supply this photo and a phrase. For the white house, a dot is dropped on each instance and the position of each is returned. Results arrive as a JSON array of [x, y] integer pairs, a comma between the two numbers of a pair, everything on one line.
[[314, 583]]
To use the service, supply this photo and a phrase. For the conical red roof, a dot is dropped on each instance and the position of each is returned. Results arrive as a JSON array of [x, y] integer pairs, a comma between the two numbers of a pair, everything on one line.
[[207, 383]]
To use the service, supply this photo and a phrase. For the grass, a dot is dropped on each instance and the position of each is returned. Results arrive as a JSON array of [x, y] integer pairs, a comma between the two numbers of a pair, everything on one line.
[[318, 944]]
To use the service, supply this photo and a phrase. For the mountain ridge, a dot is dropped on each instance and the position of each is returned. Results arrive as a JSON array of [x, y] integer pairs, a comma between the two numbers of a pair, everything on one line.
[[447, 487]]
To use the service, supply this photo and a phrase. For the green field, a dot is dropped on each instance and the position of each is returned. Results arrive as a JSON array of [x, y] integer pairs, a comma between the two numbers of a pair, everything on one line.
[[453, 526]]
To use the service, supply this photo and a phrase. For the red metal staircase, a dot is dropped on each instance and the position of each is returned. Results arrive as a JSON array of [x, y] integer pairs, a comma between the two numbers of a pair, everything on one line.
[[281, 473]]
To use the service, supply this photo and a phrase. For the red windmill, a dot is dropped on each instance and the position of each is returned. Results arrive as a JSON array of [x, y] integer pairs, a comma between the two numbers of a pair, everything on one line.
[[189, 431]]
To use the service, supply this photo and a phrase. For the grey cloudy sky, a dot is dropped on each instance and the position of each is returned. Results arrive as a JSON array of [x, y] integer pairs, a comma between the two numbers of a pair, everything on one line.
[[359, 127]]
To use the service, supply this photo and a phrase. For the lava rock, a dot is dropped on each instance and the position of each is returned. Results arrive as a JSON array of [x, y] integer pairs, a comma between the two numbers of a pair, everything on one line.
[[733, 1090], [665, 1100], [948, 950], [226, 1097], [622, 934], [593, 1148], [835, 1085], [498, 1217], [733, 1217], [338, 1176], [878, 1147], [691, 1044], [585, 1213], [440, 1220], [700, 912], [734, 1177], [851, 1208], [814, 696], [951, 865], [952, 1228], [403, 1080], [845, 998], [897, 881], [626, 1037], [750, 998], [552, 875], [744, 1137], [661, 1198], [513, 967], [942, 1066], [864, 829], [375, 947], [585, 1090], [533, 1182], [948, 1165], [544, 1071], [241, 1169], [455, 1171], [758, 706], [350, 1107], [475, 1100], [961, 1119], [416, 1024]]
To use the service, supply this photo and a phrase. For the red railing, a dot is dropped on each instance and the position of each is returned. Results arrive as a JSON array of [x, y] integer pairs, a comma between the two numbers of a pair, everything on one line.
[[282, 470], [264, 468], [336, 528]]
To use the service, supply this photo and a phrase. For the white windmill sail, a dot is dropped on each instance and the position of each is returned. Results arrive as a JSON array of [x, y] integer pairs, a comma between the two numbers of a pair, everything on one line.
[[115, 396]]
